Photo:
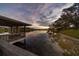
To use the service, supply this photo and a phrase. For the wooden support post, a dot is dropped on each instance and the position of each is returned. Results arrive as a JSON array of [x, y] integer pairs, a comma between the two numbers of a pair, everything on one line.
[[25, 36], [11, 30], [24, 30], [25, 43], [17, 29]]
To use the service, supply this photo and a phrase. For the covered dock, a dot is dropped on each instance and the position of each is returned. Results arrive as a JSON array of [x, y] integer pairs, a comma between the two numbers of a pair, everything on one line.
[[15, 33]]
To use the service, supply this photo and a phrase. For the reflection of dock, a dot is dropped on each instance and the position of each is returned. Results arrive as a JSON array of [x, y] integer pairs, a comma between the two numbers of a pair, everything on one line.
[[16, 32]]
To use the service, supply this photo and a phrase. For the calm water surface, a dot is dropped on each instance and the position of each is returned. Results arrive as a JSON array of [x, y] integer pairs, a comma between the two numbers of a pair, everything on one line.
[[39, 43]]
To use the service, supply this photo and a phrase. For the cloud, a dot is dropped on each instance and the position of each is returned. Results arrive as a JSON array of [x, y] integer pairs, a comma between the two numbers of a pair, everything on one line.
[[53, 12], [34, 13]]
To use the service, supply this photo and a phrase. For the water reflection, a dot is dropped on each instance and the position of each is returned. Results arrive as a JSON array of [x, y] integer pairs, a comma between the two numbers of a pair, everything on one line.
[[38, 42]]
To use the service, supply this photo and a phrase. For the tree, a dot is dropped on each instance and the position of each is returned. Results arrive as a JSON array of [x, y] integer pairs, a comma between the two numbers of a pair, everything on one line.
[[70, 16]]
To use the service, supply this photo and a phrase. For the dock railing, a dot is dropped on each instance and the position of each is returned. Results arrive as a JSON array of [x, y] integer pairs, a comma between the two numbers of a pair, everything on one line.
[[7, 49]]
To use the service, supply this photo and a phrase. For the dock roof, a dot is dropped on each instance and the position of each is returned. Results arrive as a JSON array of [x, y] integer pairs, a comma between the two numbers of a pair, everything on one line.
[[5, 21]]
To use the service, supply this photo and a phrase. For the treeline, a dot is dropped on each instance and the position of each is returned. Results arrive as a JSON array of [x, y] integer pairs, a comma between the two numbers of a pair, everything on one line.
[[69, 18]]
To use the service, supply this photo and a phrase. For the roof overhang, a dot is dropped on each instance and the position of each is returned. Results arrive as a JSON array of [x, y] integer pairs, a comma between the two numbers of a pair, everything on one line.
[[5, 21]]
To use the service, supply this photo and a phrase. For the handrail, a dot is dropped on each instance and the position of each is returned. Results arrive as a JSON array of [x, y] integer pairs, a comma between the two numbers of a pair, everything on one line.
[[12, 50]]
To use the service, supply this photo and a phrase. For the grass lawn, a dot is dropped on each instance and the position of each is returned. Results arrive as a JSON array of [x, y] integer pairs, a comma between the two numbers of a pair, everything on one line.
[[72, 32]]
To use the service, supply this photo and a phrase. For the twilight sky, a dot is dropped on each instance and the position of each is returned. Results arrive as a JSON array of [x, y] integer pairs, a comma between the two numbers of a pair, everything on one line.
[[37, 14]]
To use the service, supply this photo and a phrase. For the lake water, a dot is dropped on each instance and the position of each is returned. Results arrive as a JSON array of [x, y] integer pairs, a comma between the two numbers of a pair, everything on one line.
[[39, 43]]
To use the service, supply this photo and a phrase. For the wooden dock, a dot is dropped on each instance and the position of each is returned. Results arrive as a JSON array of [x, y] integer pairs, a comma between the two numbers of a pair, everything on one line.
[[17, 31]]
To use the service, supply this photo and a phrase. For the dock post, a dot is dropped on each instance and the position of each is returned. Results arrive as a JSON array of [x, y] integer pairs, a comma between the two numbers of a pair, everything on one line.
[[25, 37], [11, 29]]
